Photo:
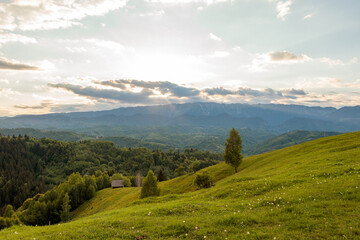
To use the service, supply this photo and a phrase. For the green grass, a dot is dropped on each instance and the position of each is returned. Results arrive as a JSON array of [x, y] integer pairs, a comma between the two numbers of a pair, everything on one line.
[[307, 191]]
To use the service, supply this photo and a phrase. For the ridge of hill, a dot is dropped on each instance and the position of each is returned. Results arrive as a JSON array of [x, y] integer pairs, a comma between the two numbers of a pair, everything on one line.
[[307, 191], [276, 117]]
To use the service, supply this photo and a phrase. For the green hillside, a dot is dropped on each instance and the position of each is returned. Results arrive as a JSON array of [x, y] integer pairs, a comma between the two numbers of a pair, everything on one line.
[[287, 140], [307, 191]]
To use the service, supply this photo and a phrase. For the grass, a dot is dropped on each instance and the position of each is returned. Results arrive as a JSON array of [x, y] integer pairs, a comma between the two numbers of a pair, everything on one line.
[[308, 191]]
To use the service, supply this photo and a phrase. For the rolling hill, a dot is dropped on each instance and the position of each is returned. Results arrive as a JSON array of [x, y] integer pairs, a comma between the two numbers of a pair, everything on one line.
[[287, 140], [307, 191]]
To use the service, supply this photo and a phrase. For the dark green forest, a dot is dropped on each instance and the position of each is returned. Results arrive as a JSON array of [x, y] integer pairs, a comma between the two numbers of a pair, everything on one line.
[[29, 166]]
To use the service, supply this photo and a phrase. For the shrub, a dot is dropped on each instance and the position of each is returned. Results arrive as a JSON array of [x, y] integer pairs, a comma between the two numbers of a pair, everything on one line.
[[204, 180]]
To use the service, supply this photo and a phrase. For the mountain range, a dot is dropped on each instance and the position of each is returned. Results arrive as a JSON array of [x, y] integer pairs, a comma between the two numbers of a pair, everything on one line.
[[274, 117]]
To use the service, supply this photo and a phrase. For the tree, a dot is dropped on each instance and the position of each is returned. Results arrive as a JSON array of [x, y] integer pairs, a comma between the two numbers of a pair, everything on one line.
[[138, 179], [233, 145], [195, 165], [180, 171], [65, 213], [161, 176], [9, 211], [149, 186]]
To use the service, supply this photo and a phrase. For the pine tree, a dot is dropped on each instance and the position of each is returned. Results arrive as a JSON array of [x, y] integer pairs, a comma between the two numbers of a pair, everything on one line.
[[233, 145], [149, 186]]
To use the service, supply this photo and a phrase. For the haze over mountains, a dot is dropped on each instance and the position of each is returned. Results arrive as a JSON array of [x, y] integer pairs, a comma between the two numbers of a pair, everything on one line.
[[274, 117]]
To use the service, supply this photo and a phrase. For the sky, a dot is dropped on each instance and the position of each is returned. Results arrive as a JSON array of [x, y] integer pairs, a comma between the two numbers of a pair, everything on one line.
[[88, 55]]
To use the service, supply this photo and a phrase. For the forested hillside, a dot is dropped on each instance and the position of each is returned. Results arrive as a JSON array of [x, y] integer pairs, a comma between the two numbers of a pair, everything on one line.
[[165, 138], [29, 166]]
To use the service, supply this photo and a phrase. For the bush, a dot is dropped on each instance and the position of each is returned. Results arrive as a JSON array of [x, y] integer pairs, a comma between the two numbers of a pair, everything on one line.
[[204, 180]]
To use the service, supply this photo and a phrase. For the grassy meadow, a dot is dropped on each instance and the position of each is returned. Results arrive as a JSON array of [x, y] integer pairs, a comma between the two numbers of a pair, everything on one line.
[[307, 191]]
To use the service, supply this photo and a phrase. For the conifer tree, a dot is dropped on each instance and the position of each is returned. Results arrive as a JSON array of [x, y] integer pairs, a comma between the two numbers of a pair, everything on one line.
[[149, 186], [233, 145]]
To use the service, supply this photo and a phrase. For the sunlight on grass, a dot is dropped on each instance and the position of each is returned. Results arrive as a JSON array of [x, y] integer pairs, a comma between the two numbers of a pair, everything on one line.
[[308, 191]]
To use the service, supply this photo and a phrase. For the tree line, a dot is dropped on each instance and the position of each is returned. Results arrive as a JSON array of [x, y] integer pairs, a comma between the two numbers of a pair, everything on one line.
[[29, 166]]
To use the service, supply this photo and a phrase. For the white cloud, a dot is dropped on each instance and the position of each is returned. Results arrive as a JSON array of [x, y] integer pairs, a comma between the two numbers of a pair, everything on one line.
[[308, 16], [5, 81], [6, 37], [152, 14], [7, 92], [219, 54], [52, 14], [214, 37], [114, 46], [208, 2], [328, 83], [76, 49], [283, 9], [337, 62], [321, 82]]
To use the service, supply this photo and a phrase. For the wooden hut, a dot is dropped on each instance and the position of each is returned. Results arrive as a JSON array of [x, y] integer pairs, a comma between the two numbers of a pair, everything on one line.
[[117, 183]]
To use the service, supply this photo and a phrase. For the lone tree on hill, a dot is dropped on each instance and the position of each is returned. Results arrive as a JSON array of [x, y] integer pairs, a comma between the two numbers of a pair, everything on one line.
[[233, 145], [149, 186]]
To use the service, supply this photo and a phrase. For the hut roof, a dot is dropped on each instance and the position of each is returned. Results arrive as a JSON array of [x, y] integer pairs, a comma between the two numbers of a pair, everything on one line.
[[117, 183]]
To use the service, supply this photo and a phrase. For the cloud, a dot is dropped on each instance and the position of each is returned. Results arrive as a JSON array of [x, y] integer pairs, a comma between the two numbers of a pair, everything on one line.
[[148, 93], [143, 96], [337, 62], [262, 62], [328, 82], [265, 93], [308, 16], [50, 14], [6, 37], [5, 81], [207, 2], [283, 9], [7, 92], [41, 106], [151, 14], [219, 54], [214, 37], [285, 56], [6, 64], [162, 87], [50, 106]]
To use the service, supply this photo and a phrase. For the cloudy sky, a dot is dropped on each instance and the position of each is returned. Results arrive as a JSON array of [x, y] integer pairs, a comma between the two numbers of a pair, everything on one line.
[[80, 55]]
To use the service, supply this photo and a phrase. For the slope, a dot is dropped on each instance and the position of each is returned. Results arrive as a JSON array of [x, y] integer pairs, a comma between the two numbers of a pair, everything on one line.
[[307, 191], [287, 139]]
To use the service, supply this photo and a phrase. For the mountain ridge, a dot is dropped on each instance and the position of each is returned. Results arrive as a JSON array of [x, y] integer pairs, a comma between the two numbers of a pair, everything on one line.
[[276, 117]]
